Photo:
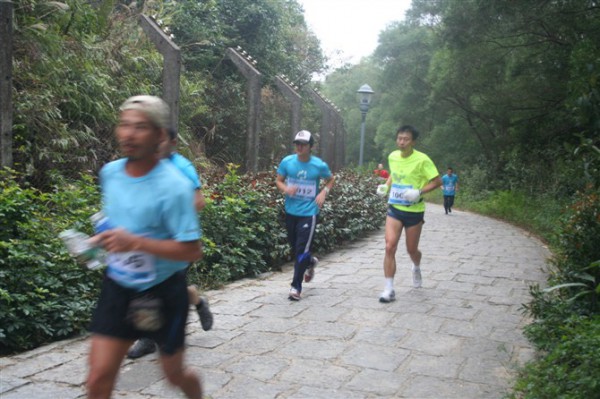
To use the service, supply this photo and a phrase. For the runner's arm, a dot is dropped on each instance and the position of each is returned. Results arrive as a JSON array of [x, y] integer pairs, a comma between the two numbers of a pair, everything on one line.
[[328, 184], [119, 240], [320, 200], [432, 185], [284, 188]]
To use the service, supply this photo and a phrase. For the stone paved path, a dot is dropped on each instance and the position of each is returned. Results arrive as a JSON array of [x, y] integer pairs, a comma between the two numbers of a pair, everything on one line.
[[457, 337]]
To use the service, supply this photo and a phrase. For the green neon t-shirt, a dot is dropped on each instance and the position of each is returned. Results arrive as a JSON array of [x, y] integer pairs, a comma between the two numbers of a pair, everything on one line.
[[414, 171]]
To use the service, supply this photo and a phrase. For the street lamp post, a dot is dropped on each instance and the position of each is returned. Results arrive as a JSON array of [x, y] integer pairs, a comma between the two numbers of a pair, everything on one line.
[[365, 94]]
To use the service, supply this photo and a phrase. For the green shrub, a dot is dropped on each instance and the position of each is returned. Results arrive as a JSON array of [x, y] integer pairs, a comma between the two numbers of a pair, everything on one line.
[[351, 210], [44, 294], [578, 241], [239, 238], [570, 368], [566, 326], [575, 275], [550, 314], [244, 223]]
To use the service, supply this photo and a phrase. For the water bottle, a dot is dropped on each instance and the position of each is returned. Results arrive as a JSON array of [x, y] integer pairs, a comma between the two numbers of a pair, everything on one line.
[[100, 222], [79, 246]]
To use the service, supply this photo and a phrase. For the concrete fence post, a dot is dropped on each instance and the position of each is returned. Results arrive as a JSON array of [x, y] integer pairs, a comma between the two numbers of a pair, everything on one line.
[[328, 115], [253, 79], [171, 65], [288, 91], [6, 111]]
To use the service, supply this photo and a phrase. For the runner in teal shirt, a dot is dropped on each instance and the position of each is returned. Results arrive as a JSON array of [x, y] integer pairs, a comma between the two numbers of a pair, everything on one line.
[[298, 177], [449, 188]]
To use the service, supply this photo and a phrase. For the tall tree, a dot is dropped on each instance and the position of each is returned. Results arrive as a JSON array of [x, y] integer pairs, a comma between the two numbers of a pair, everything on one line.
[[491, 81]]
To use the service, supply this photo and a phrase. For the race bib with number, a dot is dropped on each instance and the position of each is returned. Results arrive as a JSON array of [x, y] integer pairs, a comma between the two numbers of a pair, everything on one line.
[[131, 268], [449, 188], [397, 194], [306, 189]]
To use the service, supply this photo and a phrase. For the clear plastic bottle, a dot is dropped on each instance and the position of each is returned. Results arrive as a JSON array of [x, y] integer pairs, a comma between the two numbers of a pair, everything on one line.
[[79, 246]]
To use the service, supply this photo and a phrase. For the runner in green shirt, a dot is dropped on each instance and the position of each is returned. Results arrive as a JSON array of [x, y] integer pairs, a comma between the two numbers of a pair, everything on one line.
[[412, 175]]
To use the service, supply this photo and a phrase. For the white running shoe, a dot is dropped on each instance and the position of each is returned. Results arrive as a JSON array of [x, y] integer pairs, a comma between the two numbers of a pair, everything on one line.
[[416, 275], [387, 296], [294, 295]]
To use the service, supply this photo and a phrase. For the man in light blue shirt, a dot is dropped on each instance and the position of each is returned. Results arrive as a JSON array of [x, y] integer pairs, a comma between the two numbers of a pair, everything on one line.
[[155, 234]]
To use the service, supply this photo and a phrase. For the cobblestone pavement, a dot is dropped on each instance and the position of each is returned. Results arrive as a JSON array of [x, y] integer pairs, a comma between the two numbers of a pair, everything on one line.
[[457, 337]]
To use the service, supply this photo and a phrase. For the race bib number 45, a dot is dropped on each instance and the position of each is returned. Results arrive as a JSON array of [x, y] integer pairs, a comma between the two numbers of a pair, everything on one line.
[[397, 194], [131, 267], [306, 189]]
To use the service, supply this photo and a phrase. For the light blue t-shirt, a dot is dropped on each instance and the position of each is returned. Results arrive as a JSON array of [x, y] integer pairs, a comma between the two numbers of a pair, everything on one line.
[[187, 168], [158, 205], [449, 184], [306, 176]]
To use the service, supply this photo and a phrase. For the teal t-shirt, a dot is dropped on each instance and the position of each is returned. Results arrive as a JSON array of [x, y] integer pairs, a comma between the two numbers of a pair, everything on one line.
[[159, 205], [306, 176], [187, 168], [449, 184]]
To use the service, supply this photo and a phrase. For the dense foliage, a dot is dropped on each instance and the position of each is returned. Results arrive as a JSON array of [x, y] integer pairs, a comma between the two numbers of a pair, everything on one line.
[[76, 61], [570, 369], [566, 327], [45, 295]]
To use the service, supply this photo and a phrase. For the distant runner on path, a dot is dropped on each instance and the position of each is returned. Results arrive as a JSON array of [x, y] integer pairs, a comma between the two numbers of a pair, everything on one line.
[[412, 175], [381, 172], [449, 188], [298, 177]]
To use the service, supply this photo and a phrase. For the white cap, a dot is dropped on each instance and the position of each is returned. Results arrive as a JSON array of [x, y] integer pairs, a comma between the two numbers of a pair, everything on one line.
[[154, 107], [303, 136]]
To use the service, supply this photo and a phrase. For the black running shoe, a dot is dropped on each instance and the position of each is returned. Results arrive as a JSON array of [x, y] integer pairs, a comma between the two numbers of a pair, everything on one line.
[[206, 317], [310, 270], [141, 347]]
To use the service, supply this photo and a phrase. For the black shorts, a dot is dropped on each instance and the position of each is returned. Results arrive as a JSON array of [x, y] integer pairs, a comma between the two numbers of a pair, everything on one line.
[[408, 219], [110, 318]]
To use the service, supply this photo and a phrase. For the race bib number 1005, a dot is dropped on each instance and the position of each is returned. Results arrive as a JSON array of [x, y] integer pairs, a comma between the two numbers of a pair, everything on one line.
[[397, 194]]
